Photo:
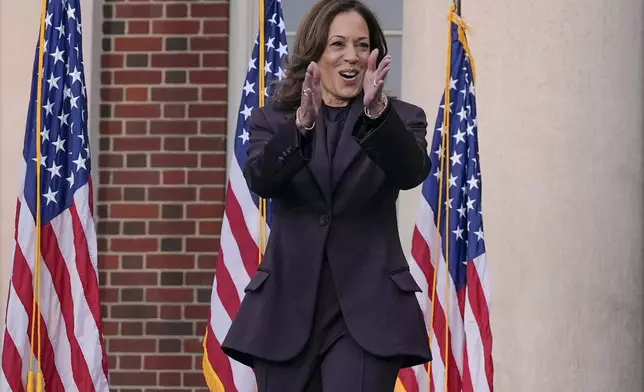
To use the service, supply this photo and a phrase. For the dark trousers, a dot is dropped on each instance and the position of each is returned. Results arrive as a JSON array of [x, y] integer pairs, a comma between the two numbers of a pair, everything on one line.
[[344, 367], [332, 361]]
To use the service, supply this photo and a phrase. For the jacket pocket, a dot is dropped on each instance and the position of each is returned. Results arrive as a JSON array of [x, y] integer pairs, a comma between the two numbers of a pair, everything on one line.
[[405, 281], [257, 281]]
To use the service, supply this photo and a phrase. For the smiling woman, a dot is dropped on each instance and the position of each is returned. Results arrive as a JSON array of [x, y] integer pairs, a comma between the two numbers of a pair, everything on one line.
[[333, 305]]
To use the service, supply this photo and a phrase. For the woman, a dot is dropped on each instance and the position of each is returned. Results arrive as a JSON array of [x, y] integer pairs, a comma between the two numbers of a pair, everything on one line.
[[333, 303]]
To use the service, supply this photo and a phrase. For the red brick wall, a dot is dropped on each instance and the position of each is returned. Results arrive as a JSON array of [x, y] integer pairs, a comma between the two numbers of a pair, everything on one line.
[[162, 170]]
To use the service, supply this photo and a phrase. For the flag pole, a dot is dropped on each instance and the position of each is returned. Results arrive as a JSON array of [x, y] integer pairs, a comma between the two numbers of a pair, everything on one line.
[[458, 7], [261, 94]]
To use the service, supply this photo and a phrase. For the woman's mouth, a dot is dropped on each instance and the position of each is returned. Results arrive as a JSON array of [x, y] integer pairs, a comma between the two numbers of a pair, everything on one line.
[[349, 74]]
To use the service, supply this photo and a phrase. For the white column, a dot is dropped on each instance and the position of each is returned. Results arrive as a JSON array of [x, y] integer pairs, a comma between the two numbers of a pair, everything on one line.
[[560, 113], [19, 24]]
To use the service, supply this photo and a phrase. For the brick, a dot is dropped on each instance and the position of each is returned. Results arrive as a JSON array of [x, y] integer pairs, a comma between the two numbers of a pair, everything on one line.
[[206, 110], [138, 44], [111, 60], [171, 278], [174, 160], [132, 378], [208, 77], [136, 143], [199, 312], [212, 193], [109, 295], [134, 311], [170, 379], [213, 127], [209, 177], [168, 362], [131, 328], [214, 60], [176, 10], [216, 26], [175, 60], [174, 111], [105, 111], [207, 143], [209, 43], [134, 194], [203, 211], [214, 94], [131, 295], [175, 94], [139, 11], [111, 27], [136, 94], [201, 244], [132, 261], [193, 345], [174, 144], [106, 78], [134, 211], [174, 177], [172, 194], [207, 262], [213, 160], [134, 228], [137, 110], [130, 362], [137, 60], [111, 127], [176, 77], [108, 228], [110, 160], [138, 27], [170, 346], [134, 278], [107, 262], [170, 261], [177, 27], [137, 77], [176, 44], [201, 10], [136, 127], [171, 245], [114, 94], [209, 227], [136, 160], [172, 211], [134, 244], [110, 328], [203, 295], [169, 328], [172, 228], [138, 177], [132, 345], [173, 127]]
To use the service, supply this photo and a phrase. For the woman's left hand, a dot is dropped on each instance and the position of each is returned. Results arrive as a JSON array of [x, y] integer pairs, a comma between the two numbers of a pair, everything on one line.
[[374, 82]]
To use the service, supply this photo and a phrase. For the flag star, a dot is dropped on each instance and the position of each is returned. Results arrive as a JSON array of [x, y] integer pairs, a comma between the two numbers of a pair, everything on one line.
[[479, 234], [54, 170], [60, 144], [438, 152], [71, 13], [251, 64], [473, 182], [45, 134], [463, 91], [452, 83], [58, 56], [452, 180], [472, 91], [76, 76], [270, 44], [282, 50], [80, 162], [246, 112], [53, 82], [73, 101], [82, 137], [448, 204], [470, 203], [63, 118], [280, 74], [50, 196], [459, 136], [68, 92], [456, 158], [470, 130], [461, 211], [70, 179], [458, 232], [48, 20], [282, 25], [462, 114], [244, 136], [437, 174], [61, 29], [450, 106], [248, 88], [267, 67], [272, 20], [43, 160]]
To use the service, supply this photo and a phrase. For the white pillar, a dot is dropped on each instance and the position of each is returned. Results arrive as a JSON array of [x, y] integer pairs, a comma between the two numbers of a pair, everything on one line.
[[560, 111]]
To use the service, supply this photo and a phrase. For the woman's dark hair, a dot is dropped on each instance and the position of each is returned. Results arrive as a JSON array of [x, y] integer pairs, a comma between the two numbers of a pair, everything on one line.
[[311, 41]]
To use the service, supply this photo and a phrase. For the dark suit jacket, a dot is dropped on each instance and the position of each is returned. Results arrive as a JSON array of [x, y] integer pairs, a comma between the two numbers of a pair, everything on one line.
[[347, 209]]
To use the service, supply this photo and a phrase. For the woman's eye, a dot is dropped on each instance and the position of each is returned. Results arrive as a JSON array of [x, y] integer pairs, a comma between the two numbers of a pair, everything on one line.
[[337, 43]]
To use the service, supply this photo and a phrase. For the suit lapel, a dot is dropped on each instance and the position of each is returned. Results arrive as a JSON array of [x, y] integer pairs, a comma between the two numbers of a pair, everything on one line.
[[348, 149]]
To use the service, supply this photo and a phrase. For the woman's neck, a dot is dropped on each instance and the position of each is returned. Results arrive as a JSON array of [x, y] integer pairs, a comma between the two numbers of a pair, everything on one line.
[[333, 101]]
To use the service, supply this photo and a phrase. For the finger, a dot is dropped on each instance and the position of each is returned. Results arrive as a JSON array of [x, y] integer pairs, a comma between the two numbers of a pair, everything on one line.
[[382, 75], [373, 58], [384, 63]]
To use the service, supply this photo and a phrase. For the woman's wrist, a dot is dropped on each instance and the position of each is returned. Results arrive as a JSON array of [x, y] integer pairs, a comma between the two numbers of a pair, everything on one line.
[[303, 127], [377, 108]]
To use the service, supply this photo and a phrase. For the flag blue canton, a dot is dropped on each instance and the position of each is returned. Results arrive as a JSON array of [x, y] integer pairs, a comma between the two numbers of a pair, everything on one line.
[[275, 52], [65, 159], [462, 169]]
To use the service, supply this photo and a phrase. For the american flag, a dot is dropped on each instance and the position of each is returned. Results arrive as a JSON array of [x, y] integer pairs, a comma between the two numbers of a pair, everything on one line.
[[72, 353], [240, 233], [462, 296]]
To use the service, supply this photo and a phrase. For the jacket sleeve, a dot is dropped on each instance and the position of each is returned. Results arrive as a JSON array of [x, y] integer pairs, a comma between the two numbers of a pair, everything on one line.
[[274, 155], [397, 145]]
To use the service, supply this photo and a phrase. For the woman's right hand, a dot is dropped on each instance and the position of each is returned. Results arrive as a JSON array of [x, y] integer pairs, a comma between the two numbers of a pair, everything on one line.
[[311, 99]]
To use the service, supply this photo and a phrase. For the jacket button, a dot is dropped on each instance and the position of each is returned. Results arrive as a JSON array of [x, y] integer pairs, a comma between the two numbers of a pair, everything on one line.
[[324, 220]]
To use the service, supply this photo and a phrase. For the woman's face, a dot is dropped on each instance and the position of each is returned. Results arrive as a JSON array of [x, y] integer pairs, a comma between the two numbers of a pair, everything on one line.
[[344, 60]]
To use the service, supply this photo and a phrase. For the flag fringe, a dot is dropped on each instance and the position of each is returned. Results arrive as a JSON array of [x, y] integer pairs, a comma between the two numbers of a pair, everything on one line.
[[212, 380]]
